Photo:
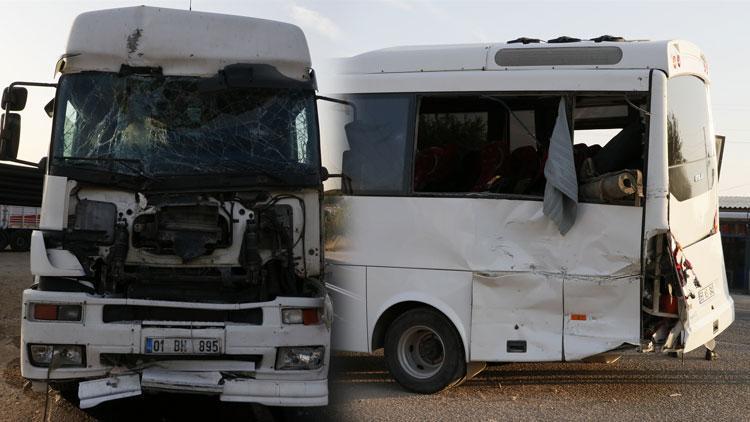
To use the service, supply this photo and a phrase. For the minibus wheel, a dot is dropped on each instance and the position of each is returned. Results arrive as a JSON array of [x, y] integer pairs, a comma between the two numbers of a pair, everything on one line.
[[424, 352]]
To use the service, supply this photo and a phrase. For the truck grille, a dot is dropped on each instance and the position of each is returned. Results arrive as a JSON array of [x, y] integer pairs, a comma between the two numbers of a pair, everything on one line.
[[131, 360], [135, 313]]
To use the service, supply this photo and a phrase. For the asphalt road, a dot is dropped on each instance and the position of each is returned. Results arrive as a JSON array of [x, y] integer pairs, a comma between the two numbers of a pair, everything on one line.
[[637, 387]]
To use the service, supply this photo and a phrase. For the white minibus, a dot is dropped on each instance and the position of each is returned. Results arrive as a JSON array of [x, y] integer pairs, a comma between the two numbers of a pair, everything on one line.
[[523, 201]]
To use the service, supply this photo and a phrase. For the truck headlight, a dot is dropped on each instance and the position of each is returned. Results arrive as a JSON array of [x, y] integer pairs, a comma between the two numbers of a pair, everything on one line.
[[59, 355], [307, 316], [299, 358], [54, 312]]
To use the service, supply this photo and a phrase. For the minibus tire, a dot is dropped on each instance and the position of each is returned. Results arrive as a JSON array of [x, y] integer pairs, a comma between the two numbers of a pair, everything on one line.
[[434, 326]]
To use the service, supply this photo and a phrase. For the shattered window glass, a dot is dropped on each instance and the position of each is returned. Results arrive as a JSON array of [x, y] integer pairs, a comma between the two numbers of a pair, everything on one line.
[[171, 126]]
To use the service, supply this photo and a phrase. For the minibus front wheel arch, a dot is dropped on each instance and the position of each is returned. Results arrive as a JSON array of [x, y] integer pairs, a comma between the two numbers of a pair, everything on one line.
[[389, 315]]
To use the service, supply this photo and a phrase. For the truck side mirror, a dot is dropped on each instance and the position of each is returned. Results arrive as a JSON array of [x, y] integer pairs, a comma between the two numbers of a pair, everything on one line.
[[10, 136], [49, 108], [42, 164], [14, 98], [346, 181]]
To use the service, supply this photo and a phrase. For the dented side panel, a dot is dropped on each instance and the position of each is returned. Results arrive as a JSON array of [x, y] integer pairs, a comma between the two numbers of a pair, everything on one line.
[[485, 235], [512, 258], [517, 317], [600, 314]]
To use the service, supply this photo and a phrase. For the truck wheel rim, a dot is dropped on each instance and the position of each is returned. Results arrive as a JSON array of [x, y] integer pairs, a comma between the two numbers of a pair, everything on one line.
[[421, 352]]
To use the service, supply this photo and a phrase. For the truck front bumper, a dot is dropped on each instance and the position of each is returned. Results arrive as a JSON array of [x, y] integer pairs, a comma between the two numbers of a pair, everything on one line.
[[267, 392], [118, 364]]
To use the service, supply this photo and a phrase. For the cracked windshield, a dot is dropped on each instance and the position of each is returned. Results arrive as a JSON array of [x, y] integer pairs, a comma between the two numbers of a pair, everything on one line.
[[169, 126]]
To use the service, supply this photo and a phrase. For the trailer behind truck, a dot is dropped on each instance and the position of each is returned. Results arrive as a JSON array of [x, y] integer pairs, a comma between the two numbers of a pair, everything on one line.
[[20, 198], [179, 245]]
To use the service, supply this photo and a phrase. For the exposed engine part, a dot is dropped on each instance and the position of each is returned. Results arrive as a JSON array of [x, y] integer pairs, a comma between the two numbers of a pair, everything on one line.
[[251, 199], [115, 260], [270, 228], [192, 227], [185, 230], [94, 221], [249, 254]]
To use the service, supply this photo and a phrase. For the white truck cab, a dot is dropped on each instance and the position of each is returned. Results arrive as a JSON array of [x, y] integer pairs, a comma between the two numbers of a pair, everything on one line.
[[179, 247]]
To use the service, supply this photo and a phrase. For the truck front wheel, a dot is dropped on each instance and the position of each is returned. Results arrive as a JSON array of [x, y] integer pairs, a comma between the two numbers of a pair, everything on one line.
[[424, 352], [20, 240]]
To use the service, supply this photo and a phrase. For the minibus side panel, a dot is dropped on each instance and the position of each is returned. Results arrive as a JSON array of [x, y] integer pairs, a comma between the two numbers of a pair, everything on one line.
[[349, 294], [486, 234], [600, 314], [517, 317], [496, 263]]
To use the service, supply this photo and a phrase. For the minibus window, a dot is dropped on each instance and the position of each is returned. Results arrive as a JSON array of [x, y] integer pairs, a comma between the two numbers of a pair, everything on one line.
[[690, 146], [493, 144], [378, 142], [483, 144], [609, 139]]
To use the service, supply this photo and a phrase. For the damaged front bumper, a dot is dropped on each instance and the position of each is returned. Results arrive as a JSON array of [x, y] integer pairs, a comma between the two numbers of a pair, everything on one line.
[[266, 392], [119, 362]]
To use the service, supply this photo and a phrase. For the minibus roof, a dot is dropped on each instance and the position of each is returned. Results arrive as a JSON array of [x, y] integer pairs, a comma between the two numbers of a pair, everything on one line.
[[182, 42], [674, 57]]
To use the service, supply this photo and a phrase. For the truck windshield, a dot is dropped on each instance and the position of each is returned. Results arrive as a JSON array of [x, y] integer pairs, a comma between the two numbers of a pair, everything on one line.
[[162, 127]]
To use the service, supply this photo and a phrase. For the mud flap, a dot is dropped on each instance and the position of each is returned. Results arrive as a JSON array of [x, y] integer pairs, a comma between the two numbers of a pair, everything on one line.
[[472, 370], [92, 393]]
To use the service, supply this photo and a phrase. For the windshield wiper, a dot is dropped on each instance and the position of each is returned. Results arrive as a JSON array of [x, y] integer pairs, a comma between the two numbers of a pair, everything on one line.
[[123, 161]]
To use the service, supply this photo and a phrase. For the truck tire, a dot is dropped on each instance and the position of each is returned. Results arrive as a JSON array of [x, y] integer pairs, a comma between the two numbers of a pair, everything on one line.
[[424, 352], [20, 240], [3, 240]]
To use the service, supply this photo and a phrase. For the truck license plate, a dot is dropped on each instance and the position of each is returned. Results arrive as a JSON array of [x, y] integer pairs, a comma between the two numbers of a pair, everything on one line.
[[177, 346]]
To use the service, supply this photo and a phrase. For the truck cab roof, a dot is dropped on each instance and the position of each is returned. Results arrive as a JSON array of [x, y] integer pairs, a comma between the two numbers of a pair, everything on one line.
[[181, 42]]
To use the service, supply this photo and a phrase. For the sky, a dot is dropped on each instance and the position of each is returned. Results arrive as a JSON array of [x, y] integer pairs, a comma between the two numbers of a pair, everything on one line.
[[34, 34]]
